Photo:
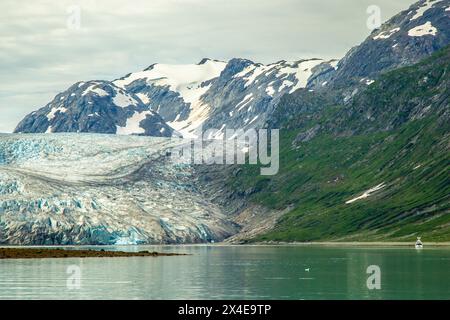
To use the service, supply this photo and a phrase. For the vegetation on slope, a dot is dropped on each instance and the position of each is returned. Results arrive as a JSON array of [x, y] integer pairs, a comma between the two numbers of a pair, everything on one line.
[[395, 133]]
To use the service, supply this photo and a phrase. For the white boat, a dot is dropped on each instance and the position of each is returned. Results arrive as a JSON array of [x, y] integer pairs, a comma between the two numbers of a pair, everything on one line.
[[419, 244]]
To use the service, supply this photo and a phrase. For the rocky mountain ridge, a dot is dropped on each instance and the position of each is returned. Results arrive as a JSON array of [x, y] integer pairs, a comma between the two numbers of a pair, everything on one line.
[[164, 100]]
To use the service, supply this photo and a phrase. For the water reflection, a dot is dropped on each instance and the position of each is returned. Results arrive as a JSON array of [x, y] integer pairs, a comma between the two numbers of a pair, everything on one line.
[[236, 272]]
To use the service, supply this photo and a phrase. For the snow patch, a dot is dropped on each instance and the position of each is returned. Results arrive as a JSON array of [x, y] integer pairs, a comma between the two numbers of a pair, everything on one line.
[[367, 193], [367, 81], [190, 81], [334, 63], [285, 84], [302, 72], [270, 91], [257, 71], [422, 9], [53, 112], [423, 30], [185, 79], [197, 116], [100, 92], [253, 120], [144, 98], [133, 124], [244, 72], [247, 99], [124, 100], [386, 34]]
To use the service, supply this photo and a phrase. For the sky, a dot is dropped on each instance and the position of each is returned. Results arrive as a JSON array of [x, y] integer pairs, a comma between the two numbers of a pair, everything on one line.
[[47, 45]]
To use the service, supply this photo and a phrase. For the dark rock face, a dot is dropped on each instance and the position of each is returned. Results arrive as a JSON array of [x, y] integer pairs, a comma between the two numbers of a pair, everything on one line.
[[221, 95], [167, 103], [404, 40], [399, 97], [247, 93], [95, 107], [239, 94]]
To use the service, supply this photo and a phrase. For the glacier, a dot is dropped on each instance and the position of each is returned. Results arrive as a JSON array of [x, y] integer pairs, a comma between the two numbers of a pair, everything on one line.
[[68, 188]]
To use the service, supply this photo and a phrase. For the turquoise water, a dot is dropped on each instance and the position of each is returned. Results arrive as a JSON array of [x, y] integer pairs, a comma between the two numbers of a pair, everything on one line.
[[235, 272]]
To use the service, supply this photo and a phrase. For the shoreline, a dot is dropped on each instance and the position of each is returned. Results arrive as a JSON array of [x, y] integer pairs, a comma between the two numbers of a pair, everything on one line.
[[59, 253], [228, 244], [353, 244]]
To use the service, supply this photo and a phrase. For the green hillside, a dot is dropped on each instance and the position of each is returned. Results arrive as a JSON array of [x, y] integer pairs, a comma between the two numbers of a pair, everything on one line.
[[395, 133]]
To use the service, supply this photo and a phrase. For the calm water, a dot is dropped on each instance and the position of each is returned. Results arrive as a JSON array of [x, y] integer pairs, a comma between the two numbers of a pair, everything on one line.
[[236, 272]]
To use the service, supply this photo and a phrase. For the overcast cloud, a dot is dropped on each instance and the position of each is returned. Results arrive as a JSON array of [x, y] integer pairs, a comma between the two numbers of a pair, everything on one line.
[[40, 56]]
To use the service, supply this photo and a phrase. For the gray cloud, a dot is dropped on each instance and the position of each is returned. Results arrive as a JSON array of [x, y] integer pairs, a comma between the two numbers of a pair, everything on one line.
[[40, 56]]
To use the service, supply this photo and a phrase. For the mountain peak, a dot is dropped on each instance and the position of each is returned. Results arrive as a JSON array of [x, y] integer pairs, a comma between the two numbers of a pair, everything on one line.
[[204, 60], [96, 107], [405, 39], [150, 67]]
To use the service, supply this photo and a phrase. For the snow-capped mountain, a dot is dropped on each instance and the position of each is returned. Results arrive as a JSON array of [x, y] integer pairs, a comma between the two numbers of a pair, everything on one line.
[[403, 40], [98, 107], [175, 91], [247, 92], [238, 94], [215, 94], [50, 193]]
